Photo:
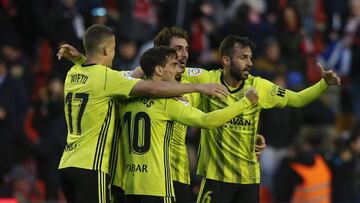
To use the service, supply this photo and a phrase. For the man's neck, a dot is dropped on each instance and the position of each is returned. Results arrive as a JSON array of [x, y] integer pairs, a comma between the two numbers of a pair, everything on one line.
[[231, 81], [94, 60], [155, 79]]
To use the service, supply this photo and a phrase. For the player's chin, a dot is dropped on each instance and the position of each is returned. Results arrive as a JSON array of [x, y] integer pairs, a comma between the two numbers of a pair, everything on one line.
[[178, 78], [183, 62], [245, 76]]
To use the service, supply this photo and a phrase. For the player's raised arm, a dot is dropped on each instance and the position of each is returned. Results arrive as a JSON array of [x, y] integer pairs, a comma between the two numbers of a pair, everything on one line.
[[299, 99], [137, 73], [188, 115], [171, 89], [330, 77], [272, 95], [70, 53]]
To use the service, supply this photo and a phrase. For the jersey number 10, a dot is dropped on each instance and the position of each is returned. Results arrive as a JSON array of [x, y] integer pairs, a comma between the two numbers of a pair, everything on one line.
[[141, 123]]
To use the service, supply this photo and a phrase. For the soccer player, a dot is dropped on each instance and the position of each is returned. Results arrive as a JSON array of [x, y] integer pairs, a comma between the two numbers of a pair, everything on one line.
[[90, 114], [227, 161], [177, 38], [147, 128]]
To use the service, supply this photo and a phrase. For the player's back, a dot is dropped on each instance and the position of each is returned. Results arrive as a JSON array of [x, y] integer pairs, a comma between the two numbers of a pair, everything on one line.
[[89, 111], [147, 133]]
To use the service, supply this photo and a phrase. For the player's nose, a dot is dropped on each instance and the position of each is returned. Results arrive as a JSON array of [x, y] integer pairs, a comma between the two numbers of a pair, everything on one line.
[[249, 63]]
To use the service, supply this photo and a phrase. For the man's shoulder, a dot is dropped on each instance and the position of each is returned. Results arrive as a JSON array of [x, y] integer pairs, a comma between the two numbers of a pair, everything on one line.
[[142, 102], [197, 70], [255, 80], [192, 71], [203, 73], [87, 68]]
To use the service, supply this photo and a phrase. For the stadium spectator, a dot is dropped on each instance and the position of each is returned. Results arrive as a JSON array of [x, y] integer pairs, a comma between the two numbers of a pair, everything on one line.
[[47, 118], [304, 175], [126, 54], [270, 63], [280, 126], [65, 15], [352, 37], [13, 94], [291, 39], [344, 164]]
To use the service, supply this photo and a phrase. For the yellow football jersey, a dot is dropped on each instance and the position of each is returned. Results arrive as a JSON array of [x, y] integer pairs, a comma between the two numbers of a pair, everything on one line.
[[90, 114], [227, 153]]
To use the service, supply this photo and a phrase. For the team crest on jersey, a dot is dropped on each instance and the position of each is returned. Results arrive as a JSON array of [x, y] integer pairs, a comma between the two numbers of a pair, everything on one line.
[[194, 71], [127, 74]]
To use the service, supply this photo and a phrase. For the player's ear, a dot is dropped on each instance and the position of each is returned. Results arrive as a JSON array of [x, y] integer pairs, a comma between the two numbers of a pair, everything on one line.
[[158, 70], [104, 50], [225, 60]]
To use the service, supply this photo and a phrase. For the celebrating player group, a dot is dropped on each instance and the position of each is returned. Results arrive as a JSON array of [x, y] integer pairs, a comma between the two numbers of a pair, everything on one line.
[[127, 129]]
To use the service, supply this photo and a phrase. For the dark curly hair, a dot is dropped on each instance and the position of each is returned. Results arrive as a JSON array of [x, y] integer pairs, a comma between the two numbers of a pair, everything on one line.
[[165, 35]]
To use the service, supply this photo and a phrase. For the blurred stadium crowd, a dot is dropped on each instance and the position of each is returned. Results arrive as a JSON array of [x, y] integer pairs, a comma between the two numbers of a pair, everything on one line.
[[291, 36]]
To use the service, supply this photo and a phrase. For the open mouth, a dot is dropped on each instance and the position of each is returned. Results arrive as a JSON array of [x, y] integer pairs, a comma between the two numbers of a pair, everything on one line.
[[183, 63], [247, 71], [178, 77]]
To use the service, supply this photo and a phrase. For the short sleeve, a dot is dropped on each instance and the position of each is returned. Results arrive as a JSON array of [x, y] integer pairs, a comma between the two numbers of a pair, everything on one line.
[[270, 94], [196, 75], [119, 83]]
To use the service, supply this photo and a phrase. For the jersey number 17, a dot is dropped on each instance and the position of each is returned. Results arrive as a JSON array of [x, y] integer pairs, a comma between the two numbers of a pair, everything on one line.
[[83, 98]]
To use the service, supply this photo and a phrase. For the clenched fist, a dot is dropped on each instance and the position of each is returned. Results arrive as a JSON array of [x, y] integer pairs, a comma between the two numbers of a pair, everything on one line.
[[252, 95]]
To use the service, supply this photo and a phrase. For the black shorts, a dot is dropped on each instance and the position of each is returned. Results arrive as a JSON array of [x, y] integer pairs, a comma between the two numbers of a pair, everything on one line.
[[216, 191], [148, 199], [117, 194], [81, 185], [182, 192]]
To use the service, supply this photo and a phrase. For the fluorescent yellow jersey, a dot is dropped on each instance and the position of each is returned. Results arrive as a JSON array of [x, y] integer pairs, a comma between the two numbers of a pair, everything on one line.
[[147, 128], [179, 157], [227, 153], [90, 114]]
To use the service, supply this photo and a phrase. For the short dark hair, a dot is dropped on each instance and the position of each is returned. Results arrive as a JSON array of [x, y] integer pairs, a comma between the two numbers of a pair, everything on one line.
[[165, 35], [94, 36], [227, 45], [156, 56]]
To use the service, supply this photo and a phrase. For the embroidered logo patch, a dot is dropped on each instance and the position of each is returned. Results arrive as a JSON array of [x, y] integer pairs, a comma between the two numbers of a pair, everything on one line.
[[127, 74], [194, 71]]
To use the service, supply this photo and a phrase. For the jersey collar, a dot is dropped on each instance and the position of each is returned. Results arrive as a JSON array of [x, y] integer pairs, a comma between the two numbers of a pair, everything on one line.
[[231, 91], [87, 65]]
